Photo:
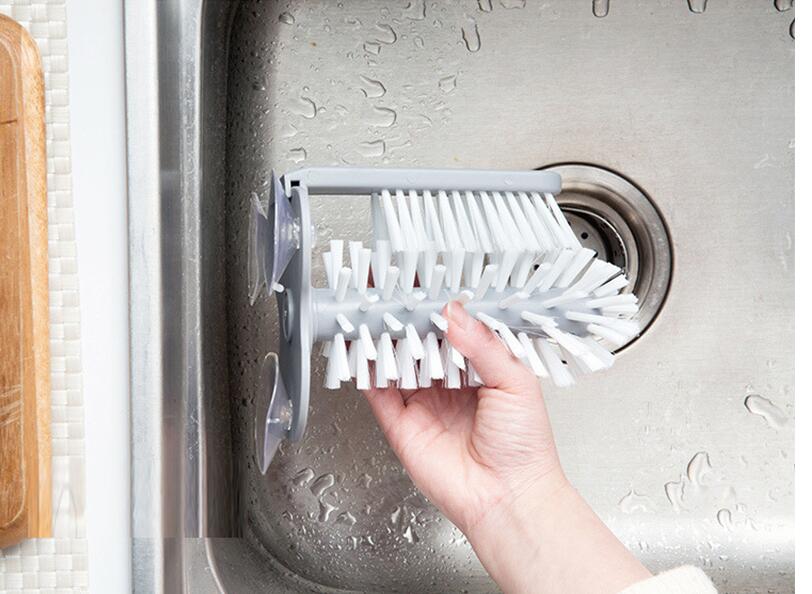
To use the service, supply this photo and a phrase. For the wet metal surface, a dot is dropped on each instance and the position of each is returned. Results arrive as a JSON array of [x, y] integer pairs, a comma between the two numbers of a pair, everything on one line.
[[685, 447]]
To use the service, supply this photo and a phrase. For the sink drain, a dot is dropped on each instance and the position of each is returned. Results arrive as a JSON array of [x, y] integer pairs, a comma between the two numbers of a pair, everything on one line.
[[612, 216]]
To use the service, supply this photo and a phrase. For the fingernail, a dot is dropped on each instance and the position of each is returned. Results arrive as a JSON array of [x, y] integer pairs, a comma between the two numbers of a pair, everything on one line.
[[456, 314]]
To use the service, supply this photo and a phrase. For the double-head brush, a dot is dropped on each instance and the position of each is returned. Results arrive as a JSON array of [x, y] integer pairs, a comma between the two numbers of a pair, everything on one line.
[[494, 240]]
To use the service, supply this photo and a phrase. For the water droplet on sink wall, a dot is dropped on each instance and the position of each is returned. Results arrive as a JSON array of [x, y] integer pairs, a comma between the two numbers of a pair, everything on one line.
[[783, 5], [470, 36], [381, 117], [415, 10], [325, 509], [304, 476], [633, 502], [304, 107], [767, 410], [448, 83], [513, 4], [373, 148], [287, 18], [725, 518], [699, 468], [698, 6], [486, 5], [386, 34], [371, 88], [297, 155], [346, 518], [600, 8], [321, 484], [675, 491]]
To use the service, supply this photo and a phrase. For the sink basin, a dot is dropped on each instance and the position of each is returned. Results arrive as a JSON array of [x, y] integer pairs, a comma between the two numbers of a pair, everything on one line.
[[685, 448]]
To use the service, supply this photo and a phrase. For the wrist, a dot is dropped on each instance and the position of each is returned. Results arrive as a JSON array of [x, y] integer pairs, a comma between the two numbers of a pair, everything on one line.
[[548, 539]]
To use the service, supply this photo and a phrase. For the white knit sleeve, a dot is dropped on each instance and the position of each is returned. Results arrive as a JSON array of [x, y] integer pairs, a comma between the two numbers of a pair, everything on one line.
[[682, 580]]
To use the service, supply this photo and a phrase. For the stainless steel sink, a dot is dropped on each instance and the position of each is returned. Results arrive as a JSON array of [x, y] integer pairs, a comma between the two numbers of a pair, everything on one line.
[[685, 448]]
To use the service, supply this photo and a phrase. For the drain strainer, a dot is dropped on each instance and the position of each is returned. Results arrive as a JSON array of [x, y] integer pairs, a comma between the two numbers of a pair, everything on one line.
[[616, 219]]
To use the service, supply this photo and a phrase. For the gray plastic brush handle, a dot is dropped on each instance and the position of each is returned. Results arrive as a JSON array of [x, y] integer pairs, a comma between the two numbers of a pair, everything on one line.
[[326, 308], [357, 180]]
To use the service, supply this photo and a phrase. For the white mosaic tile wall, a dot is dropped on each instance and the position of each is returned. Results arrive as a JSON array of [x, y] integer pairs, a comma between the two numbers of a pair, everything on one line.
[[59, 564]]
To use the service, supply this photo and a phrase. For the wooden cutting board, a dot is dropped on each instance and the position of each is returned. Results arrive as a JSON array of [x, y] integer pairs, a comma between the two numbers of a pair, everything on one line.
[[25, 419]]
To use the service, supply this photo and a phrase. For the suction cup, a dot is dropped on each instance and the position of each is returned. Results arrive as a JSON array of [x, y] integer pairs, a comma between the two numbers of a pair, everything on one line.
[[272, 241], [273, 412]]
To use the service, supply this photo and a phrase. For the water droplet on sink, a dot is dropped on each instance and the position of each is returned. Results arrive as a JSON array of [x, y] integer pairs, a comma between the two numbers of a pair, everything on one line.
[[486, 5], [288, 131], [346, 518], [470, 36], [372, 47], [725, 518], [513, 4], [697, 6], [699, 468], [410, 535], [448, 83], [304, 107], [373, 148], [792, 29], [633, 502], [371, 88], [304, 476], [381, 117], [325, 509], [297, 155], [418, 42], [600, 8], [395, 515], [675, 491], [365, 480], [764, 408], [415, 10], [386, 34], [287, 18], [783, 5], [321, 484]]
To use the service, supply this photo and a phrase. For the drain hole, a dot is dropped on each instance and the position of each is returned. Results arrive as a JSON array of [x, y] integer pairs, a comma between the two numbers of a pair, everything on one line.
[[619, 222]]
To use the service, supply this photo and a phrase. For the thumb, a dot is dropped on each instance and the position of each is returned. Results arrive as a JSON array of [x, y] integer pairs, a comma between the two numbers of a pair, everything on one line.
[[497, 367]]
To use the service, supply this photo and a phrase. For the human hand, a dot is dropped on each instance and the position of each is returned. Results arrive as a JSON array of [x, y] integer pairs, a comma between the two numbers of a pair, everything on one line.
[[486, 458], [473, 449]]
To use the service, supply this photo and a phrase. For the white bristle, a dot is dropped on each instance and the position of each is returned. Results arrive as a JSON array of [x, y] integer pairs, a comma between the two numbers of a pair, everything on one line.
[[408, 268], [386, 357], [574, 268], [390, 282], [362, 270], [415, 344], [326, 346], [345, 324], [538, 319], [503, 332], [439, 321], [456, 357], [406, 366], [342, 283], [392, 225], [480, 226], [572, 240], [465, 296], [338, 366], [612, 336], [624, 299], [336, 259], [559, 373], [433, 227], [535, 279], [362, 379], [543, 238], [355, 248], [436, 282], [392, 322], [533, 360], [410, 300], [506, 264], [370, 353], [328, 270], [367, 300], [381, 258], [432, 360], [616, 284], [606, 357], [628, 309], [559, 238], [519, 276], [628, 327], [352, 357], [560, 263], [525, 230], [474, 263], [513, 299], [485, 281], [566, 297], [456, 264]]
